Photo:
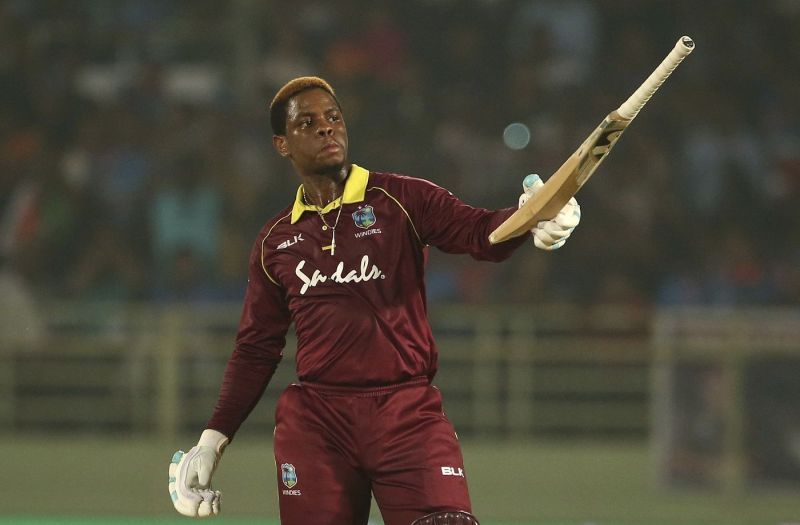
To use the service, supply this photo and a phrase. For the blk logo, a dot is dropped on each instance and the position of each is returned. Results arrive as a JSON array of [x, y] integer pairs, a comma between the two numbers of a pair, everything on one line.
[[290, 242], [453, 471]]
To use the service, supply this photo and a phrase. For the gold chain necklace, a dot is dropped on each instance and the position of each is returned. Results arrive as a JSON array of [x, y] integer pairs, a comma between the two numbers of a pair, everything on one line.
[[325, 225]]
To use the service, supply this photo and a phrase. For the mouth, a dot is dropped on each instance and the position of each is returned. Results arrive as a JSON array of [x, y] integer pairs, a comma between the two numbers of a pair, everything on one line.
[[331, 147]]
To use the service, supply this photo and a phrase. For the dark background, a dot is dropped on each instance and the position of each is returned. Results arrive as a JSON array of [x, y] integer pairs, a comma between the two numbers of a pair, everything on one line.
[[136, 162]]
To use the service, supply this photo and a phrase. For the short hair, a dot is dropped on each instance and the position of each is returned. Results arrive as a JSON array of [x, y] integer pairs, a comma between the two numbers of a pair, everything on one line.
[[277, 109]]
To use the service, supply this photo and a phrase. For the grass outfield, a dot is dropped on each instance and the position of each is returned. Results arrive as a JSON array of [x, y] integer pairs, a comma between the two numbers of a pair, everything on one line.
[[18, 520], [70, 481]]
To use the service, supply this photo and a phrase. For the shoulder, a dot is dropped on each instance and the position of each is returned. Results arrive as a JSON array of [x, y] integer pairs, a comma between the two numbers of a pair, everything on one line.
[[280, 220], [400, 184], [265, 241]]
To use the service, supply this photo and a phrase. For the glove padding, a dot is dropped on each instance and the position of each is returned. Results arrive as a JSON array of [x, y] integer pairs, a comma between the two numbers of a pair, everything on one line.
[[190, 476], [551, 235]]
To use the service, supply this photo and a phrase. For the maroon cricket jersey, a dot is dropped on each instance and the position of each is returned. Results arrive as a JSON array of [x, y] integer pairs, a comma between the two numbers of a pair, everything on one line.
[[359, 307]]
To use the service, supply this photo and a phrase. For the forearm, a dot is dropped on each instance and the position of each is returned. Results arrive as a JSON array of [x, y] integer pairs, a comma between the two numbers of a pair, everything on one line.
[[246, 377], [502, 250], [442, 220], [247, 374], [469, 233]]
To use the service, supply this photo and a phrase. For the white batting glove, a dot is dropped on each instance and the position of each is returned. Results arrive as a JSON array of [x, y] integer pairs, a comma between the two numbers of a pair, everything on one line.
[[190, 476], [552, 234]]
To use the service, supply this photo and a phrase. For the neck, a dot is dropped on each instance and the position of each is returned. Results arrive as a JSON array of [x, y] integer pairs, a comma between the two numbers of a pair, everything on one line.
[[320, 189]]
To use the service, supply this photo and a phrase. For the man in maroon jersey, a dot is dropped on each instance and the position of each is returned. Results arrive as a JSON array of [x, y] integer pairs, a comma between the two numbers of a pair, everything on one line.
[[345, 262]]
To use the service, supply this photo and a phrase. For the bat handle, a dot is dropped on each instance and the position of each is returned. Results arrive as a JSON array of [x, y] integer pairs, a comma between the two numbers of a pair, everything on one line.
[[631, 107]]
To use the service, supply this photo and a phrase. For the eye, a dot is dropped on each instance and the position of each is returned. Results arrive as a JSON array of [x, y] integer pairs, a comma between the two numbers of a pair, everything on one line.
[[305, 123], [335, 117]]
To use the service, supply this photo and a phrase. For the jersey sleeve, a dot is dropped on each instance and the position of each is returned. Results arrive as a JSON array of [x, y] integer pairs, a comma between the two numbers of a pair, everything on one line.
[[259, 348], [444, 221]]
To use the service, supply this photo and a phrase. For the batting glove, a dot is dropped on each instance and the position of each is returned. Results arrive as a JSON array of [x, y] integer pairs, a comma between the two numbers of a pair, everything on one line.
[[190, 476], [551, 235]]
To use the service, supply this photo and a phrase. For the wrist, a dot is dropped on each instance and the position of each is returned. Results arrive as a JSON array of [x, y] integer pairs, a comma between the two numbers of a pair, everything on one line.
[[214, 439]]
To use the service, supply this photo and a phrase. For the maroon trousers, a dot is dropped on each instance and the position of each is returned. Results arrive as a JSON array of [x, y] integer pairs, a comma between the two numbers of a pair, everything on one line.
[[334, 447]]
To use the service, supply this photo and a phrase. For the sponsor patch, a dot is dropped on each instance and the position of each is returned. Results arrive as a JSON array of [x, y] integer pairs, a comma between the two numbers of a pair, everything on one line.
[[364, 273]]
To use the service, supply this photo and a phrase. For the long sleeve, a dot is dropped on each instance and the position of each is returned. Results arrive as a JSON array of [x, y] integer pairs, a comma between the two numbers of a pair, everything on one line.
[[444, 221], [259, 348]]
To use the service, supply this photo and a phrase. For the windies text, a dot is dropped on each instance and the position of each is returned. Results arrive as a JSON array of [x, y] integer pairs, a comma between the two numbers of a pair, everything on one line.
[[373, 231]]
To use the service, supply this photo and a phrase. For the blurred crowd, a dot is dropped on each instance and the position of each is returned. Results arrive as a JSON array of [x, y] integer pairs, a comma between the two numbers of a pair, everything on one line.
[[136, 159]]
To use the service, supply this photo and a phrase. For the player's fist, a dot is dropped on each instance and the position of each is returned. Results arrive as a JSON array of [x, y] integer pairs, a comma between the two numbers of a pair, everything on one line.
[[190, 476], [552, 234]]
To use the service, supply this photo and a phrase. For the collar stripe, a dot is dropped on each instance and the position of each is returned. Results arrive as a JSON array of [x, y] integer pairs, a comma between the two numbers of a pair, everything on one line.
[[354, 189]]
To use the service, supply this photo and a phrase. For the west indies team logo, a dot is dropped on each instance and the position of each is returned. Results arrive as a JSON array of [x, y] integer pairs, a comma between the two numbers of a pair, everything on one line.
[[364, 217], [288, 475]]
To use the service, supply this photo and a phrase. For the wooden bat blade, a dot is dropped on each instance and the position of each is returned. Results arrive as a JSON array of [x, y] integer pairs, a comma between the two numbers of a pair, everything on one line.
[[574, 173], [565, 182]]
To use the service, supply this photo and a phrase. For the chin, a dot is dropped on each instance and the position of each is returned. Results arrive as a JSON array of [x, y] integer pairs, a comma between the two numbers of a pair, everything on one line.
[[331, 168]]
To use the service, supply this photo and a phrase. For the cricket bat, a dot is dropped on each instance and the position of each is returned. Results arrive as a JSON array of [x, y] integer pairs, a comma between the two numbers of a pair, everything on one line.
[[577, 169]]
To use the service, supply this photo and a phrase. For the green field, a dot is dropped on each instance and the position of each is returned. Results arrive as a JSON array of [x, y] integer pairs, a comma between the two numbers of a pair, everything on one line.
[[218, 521], [93, 481], [102, 520], [184, 521]]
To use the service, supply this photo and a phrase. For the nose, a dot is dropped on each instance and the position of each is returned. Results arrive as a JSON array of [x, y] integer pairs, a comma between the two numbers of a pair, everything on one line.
[[325, 130]]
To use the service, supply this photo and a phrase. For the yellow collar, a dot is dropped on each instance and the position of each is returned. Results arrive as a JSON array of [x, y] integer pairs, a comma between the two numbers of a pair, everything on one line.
[[354, 189]]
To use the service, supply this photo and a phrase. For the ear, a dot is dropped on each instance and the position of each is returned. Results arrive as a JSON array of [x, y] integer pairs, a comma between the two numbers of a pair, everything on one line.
[[279, 142]]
